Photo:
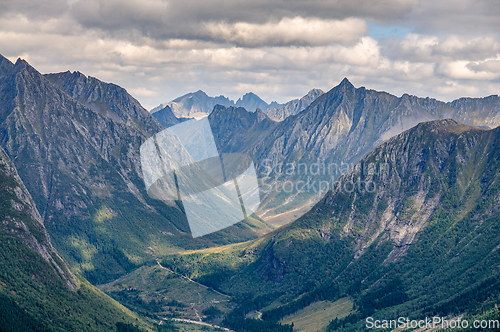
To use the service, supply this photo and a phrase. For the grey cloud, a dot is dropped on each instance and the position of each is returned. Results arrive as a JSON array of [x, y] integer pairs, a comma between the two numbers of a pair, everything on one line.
[[456, 17], [421, 48], [40, 9], [197, 20], [472, 49], [492, 66], [118, 14]]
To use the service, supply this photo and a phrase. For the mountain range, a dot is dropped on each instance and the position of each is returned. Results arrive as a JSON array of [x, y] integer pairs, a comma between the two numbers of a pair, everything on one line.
[[75, 142], [419, 238], [334, 132], [199, 104], [407, 223]]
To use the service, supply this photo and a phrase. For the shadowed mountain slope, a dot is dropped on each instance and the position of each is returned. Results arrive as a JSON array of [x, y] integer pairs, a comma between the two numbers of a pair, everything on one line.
[[38, 292]]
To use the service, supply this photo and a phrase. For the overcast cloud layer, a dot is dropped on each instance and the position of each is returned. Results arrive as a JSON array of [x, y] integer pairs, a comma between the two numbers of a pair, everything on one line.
[[159, 50]]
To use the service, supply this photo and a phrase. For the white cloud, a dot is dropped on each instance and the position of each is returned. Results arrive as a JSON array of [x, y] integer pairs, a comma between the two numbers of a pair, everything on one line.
[[289, 31], [461, 70], [143, 92], [451, 87]]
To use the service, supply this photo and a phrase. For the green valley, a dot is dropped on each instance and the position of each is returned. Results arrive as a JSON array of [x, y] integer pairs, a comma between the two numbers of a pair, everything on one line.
[[424, 243]]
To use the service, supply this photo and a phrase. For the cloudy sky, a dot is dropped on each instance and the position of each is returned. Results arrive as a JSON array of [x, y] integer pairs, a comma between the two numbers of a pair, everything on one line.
[[161, 49]]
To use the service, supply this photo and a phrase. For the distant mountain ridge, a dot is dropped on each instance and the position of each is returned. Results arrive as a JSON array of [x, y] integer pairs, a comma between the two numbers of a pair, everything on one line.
[[294, 106], [199, 104]]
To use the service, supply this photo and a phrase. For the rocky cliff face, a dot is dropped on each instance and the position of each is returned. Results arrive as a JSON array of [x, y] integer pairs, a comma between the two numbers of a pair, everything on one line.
[[20, 220], [107, 99], [166, 117], [237, 130], [395, 190], [294, 106]]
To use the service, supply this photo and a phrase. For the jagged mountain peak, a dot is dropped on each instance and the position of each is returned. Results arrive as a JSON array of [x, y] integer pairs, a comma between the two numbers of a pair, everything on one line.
[[197, 104], [197, 94], [248, 95], [200, 93], [250, 101], [107, 99], [5, 65], [21, 62], [344, 86], [22, 65], [314, 91], [346, 82]]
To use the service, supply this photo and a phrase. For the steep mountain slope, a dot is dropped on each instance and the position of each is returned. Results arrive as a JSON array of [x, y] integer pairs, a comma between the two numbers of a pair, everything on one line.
[[83, 166], [412, 230], [166, 117], [307, 152], [21, 220], [235, 128], [107, 99], [38, 292], [294, 106]]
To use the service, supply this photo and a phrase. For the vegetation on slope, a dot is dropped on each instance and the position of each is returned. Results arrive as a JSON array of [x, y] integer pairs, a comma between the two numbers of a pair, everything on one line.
[[424, 243]]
